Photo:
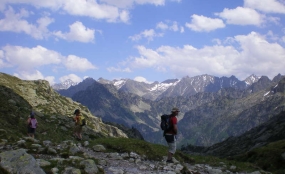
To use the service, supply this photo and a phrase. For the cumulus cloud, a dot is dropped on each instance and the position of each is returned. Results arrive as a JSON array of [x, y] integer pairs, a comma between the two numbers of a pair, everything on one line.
[[148, 34], [78, 32], [50, 79], [76, 63], [34, 75], [72, 77], [204, 24], [169, 25], [88, 8], [130, 3], [28, 75], [27, 58], [267, 6], [15, 22], [141, 79], [255, 55], [242, 16], [113, 69]]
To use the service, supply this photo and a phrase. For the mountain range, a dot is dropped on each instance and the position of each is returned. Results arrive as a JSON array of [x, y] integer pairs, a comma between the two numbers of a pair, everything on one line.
[[212, 108]]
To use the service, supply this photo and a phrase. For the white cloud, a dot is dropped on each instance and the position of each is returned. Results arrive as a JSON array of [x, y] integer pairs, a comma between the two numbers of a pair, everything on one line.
[[78, 32], [88, 8], [130, 3], [148, 34], [267, 6], [72, 77], [14, 22], [141, 79], [181, 29], [75, 63], [125, 16], [30, 75], [204, 24], [162, 26], [50, 79], [169, 25], [27, 58], [113, 69], [254, 55], [242, 16]]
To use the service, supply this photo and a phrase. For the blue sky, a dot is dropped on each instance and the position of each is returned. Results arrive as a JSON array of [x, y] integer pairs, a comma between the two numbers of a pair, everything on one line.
[[145, 40]]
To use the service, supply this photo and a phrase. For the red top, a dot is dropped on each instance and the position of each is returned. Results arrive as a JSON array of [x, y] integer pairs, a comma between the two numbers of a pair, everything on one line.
[[173, 120]]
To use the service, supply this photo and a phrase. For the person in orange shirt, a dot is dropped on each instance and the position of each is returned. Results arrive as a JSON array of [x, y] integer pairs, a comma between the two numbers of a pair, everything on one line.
[[78, 128]]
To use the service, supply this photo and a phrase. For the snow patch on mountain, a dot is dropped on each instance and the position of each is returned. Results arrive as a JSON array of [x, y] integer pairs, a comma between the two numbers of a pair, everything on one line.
[[163, 86], [251, 79], [64, 85], [119, 83]]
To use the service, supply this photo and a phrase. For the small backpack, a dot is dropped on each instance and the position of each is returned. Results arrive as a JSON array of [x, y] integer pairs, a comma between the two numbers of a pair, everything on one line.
[[33, 123], [82, 121], [165, 122]]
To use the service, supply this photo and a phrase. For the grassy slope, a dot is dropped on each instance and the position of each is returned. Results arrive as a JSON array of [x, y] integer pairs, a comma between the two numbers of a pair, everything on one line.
[[267, 157]]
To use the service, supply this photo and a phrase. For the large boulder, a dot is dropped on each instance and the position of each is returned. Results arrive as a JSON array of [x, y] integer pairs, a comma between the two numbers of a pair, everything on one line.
[[18, 161]]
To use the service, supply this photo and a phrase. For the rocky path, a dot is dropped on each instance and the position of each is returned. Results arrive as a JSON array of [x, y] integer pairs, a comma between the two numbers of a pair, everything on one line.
[[16, 160]]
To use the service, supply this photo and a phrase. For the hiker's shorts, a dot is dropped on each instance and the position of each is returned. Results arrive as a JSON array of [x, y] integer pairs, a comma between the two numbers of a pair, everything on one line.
[[31, 130], [78, 128], [171, 141]]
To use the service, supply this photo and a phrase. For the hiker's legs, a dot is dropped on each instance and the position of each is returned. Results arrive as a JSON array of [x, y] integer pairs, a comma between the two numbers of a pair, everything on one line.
[[171, 150], [79, 133], [169, 156]]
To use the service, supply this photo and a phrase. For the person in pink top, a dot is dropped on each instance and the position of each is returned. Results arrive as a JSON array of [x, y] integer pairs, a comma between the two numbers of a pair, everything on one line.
[[170, 135], [32, 125]]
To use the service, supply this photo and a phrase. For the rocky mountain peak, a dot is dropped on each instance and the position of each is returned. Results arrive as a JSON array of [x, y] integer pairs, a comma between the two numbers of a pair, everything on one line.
[[251, 79], [64, 85]]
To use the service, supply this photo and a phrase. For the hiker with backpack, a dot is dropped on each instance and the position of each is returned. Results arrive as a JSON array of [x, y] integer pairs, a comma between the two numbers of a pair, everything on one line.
[[170, 132], [78, 124], [32, 125]]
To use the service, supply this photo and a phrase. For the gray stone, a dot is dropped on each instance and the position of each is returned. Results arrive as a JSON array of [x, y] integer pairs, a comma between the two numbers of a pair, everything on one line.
[[86, 143], [214, 171], [21, 142], [47, 143], [71, 170], [76, 158], [102, 162], [36, 145], [18, 161], [12, 102], [54, 170], [63, 128], [43, 163], [73, 150], [255, 172], [89, 166], [99, 148], [115, 156], [51, 151], [134, 155], [116, 170]]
